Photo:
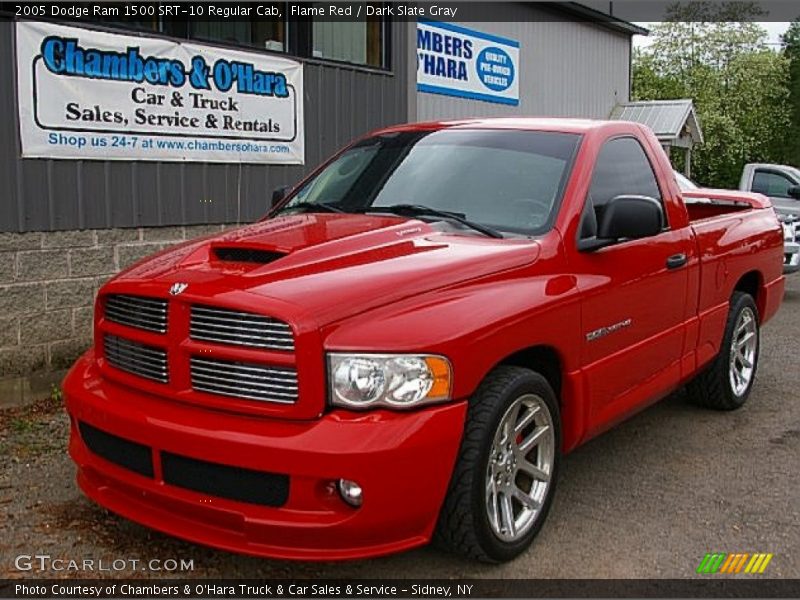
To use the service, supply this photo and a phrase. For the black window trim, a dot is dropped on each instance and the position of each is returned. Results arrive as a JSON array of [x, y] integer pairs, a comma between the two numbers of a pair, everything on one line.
[[612, 138]]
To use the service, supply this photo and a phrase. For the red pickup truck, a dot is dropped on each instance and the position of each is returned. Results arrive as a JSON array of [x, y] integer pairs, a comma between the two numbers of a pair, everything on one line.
[[404, 348]]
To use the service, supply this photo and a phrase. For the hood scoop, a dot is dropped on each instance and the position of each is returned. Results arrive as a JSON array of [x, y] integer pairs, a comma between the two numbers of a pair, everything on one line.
[[243, 254]]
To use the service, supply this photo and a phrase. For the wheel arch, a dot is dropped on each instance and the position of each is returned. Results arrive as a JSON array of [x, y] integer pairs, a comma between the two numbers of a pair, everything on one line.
[[543, 359], [550, 363], [752, 283]]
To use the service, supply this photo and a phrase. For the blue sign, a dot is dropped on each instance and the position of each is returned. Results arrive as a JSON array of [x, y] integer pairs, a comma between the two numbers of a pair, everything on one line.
[[465, 63]]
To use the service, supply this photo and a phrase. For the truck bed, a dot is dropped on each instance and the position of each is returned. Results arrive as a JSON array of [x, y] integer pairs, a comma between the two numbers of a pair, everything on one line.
[[699, 211], [702, 204]]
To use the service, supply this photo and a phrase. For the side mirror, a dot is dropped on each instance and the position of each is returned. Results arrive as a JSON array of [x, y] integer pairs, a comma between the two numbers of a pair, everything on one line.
[[278, 194], [794, 191], [631, 217], [626, 218]]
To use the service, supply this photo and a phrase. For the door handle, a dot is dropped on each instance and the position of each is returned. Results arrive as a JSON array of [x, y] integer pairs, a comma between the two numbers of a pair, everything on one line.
[[677, 260]]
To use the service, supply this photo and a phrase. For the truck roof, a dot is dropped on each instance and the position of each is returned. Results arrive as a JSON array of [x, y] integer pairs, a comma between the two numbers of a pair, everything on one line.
[[522, 123]]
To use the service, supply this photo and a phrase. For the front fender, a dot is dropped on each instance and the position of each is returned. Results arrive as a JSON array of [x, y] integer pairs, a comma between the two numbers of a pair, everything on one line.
[[476, 326]]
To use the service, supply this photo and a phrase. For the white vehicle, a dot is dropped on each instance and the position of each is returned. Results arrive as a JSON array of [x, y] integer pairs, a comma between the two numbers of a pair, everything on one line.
[[781, 183]]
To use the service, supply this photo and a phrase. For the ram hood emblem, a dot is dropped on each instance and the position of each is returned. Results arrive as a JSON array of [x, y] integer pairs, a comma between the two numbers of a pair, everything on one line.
[[178, 288]]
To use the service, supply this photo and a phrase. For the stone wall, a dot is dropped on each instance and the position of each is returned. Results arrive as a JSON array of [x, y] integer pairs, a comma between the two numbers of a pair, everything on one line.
[[48, 282]]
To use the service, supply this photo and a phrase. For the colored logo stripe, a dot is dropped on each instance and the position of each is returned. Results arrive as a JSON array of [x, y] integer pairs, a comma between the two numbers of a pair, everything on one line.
[[722, 562], [711, 562], [758, 563]]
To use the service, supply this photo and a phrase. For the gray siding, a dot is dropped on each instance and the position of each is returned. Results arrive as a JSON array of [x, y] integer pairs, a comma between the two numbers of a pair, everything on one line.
[[341, 102], [567, 69]]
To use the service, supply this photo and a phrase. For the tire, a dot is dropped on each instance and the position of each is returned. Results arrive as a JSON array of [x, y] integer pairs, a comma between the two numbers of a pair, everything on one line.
[[467, 525], [717, 387]]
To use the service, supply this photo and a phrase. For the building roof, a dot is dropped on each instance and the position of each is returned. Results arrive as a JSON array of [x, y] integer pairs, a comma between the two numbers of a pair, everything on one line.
[[605, 19], [672, 121]]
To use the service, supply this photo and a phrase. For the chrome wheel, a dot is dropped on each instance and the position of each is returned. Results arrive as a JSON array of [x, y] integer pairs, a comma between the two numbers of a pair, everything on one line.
[[744, 345], [520, 465]]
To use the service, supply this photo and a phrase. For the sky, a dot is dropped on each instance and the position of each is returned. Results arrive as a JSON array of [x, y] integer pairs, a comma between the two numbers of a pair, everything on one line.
[[774, 30]]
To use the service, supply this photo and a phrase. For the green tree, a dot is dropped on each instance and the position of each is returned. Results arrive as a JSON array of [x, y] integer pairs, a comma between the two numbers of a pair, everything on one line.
[[791, 139], [717, 56]]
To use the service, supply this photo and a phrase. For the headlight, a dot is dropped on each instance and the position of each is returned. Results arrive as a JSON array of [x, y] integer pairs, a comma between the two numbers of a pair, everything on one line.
[[388, 380]]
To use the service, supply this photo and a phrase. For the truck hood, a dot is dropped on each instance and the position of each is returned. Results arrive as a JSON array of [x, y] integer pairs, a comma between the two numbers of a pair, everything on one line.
[[331, 266]]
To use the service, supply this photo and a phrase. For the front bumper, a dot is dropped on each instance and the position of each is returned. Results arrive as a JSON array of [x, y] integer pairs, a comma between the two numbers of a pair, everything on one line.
[[402, 460], [791, 257]]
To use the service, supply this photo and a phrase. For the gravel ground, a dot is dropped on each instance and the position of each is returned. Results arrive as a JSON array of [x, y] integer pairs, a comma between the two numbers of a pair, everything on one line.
[[645, 500]]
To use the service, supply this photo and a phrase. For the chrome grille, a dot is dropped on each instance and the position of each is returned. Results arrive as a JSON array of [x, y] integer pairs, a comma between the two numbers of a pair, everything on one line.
[[225, 326], [244, 380], [137, 311], [136, 358]]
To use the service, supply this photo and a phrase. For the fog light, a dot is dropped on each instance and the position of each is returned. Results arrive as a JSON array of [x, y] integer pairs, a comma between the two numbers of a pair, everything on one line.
[[350, 492]]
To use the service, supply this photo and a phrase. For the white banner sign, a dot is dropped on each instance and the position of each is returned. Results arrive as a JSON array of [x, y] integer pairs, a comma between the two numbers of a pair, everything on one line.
[[87, 94], [456, 61]]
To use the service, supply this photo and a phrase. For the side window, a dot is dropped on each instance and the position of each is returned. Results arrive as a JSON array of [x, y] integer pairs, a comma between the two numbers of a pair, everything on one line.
[[772, 184], [622, 168]]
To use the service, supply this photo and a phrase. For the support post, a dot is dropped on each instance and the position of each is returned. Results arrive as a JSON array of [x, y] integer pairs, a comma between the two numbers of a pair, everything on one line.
[[687, 169]]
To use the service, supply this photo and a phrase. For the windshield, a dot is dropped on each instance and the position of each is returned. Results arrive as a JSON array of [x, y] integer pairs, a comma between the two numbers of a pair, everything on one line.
[[511, 181]]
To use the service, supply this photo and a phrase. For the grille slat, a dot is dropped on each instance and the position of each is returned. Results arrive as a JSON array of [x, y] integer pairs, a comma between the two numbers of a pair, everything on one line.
[[138, 359], [138, 300], [208, 374], [150, 352], [137, 311], [122, 303], [242, 339], [225, 314], [127, 317], [276, 371], [228, 378], [239, 328], [213, 322], [248, 386], [241, 391]]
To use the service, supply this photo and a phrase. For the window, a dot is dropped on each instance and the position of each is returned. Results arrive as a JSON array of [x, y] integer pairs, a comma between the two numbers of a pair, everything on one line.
[[360, 42], [622, 168], [772, 184], [260, 32], [364, 42], [509, 180]]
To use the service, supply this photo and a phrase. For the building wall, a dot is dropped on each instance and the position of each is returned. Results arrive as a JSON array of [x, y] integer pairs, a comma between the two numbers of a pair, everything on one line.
[[48, 282], [567, 69], [341, 102]]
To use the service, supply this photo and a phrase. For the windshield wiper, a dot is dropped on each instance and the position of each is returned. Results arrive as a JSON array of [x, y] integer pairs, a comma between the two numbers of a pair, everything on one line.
[[311, 206], [420, 210]]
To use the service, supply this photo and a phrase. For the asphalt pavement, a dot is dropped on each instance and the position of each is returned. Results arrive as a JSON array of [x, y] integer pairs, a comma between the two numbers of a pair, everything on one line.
[[648, 499]]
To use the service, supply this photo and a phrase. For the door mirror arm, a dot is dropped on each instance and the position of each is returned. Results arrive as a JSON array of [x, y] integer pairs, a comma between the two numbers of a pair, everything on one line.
[[593, 243], [278, 194]]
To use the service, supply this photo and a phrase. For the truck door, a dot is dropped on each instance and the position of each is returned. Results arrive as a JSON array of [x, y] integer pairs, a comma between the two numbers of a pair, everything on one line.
[[634, 294]]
